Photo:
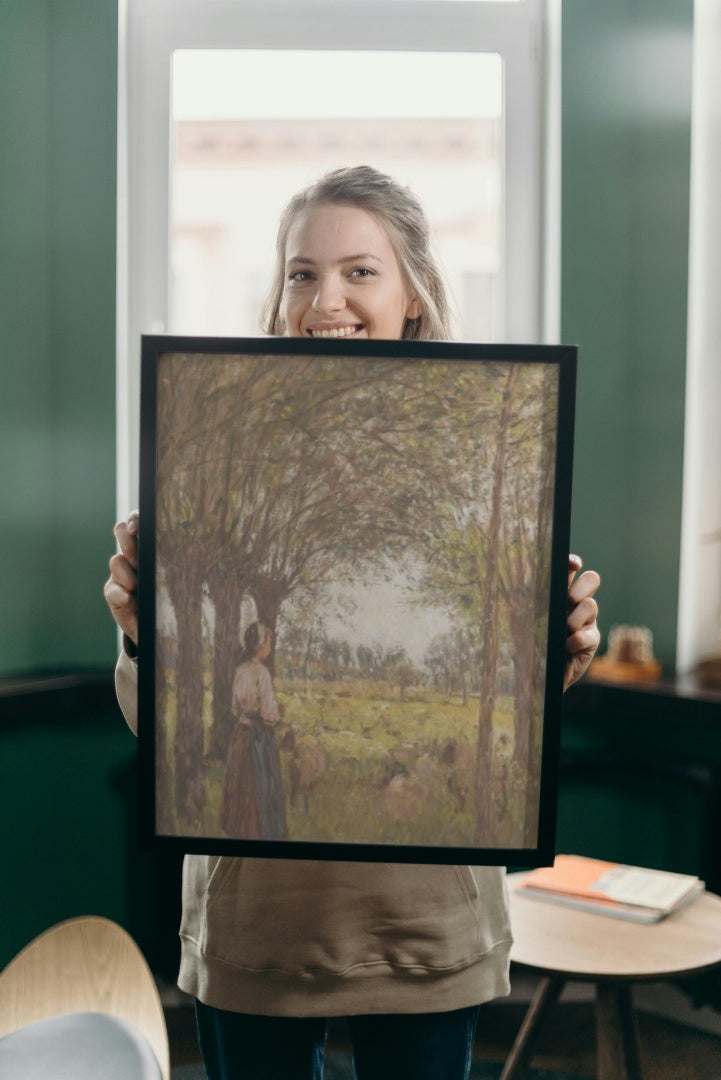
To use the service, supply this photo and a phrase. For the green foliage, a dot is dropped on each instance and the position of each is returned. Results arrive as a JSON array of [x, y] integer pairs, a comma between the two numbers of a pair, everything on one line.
[[393, 771], [279, 476]]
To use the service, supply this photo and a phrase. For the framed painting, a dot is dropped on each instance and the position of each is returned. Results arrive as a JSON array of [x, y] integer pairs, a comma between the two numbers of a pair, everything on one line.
[[352, 597]]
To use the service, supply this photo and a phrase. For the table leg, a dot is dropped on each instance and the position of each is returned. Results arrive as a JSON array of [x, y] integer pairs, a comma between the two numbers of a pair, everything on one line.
[[617, 1033], [545, 997]]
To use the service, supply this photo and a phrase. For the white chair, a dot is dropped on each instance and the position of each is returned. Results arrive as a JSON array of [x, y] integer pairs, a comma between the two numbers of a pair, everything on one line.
[[79, 1002]]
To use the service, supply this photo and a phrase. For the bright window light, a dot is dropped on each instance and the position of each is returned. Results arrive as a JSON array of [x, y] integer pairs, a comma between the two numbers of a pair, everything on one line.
[[220, 84], [238, 156]]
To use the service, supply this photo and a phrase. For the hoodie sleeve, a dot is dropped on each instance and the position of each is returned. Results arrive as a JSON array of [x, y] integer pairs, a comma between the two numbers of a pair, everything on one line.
[[126, 688]]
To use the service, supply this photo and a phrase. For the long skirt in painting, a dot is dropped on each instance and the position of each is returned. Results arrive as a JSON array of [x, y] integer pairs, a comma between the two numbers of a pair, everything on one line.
[[253, 806]]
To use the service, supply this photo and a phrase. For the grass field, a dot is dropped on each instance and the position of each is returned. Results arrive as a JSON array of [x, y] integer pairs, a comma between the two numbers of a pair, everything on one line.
[[360, 765]]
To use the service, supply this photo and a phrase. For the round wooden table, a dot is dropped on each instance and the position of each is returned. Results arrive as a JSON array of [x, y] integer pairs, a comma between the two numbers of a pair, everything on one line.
[[562, 944]]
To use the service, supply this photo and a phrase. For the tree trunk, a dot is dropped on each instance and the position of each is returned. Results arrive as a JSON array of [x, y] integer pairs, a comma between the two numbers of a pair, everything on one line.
[[537, 664], [163, 742], [485, 826], [525, 766], [464, 686], [226, 593], [306, 662], [186, 593]]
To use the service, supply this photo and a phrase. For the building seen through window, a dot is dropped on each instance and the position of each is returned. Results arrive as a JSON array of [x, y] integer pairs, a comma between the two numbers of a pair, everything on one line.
[[231, 175]]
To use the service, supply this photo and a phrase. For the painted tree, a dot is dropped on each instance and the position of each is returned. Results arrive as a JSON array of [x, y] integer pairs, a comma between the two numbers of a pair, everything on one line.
[[484, 560], [453, 660], [280, 476], [184, 519], [488, 596], [341, 473], [272, 475], [525, 582]]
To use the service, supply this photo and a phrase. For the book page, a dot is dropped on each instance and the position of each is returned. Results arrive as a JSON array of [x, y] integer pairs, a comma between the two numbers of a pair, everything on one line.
[[652, 888]]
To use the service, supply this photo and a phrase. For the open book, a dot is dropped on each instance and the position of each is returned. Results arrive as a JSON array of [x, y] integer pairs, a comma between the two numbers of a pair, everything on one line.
[[608, 888]]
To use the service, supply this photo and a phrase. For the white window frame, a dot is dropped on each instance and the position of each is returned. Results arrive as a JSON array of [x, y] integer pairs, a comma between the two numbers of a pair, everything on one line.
[[526, 34], [699, 596]]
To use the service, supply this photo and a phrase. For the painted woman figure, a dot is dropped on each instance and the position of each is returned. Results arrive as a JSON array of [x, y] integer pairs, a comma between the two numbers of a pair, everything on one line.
[[253, 805]]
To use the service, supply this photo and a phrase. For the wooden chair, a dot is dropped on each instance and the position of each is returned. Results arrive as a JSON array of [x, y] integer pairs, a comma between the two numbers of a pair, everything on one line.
[[74, 983]]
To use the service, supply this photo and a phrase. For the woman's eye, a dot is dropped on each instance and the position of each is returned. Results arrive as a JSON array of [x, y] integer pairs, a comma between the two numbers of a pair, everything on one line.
[[362, 272], [300, 276]]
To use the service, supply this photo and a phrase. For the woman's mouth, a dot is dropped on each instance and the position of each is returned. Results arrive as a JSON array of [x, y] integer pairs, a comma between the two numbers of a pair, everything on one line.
[[335, 331]]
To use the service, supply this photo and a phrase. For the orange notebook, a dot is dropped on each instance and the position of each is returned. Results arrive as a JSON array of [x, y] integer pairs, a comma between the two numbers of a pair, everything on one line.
[[631, 892]]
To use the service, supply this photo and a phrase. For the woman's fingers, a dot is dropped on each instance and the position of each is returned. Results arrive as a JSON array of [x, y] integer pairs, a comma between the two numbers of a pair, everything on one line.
[[123, 572], [123, 607], [584, 585], [575, 562], [126, 534], [583, 636], [583, 612], [121, 587]]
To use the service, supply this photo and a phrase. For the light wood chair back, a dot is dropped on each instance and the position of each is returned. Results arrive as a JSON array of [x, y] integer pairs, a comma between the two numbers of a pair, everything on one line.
[[87, 964]]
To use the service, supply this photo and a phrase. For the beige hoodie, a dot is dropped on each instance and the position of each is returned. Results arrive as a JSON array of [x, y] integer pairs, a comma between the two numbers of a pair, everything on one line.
[[285, 937]]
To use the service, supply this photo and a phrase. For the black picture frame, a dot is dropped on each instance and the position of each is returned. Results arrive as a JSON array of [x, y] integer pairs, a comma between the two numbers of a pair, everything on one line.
[[397, 514]]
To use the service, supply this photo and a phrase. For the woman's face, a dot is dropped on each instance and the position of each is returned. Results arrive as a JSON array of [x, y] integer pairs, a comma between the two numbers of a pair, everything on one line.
[[342, 277]]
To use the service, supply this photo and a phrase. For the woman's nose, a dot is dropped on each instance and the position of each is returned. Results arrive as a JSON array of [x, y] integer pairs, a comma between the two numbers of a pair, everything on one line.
[[329, 295]]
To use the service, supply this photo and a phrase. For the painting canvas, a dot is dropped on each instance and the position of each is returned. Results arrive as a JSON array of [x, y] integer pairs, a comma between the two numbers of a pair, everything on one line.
[[352, 595]]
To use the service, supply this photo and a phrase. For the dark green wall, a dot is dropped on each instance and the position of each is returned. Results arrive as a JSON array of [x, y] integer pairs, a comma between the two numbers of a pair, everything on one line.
[[58, 74], [625, 202], [640, 778], [626, 136], [66, 760]]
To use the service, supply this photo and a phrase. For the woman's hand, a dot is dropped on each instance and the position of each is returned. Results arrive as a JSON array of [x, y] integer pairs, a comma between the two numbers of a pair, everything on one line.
[[121, 587], [583, 635]]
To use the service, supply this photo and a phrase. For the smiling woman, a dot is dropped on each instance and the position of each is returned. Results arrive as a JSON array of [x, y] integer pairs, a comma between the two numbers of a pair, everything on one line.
[[271, 946], [331, 292], [353, 259]]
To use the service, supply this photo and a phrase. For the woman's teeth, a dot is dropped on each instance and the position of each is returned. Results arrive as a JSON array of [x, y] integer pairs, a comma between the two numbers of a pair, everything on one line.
[[337, 331]]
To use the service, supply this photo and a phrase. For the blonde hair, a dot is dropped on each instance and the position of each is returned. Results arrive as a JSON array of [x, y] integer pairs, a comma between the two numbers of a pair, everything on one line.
[[403, 217]]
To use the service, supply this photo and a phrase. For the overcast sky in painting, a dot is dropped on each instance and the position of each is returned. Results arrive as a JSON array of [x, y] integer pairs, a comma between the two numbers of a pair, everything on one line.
[[376, 613], [385, 615]]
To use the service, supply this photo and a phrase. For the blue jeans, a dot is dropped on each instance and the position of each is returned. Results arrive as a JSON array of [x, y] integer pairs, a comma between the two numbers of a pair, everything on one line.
[[417, 1046]]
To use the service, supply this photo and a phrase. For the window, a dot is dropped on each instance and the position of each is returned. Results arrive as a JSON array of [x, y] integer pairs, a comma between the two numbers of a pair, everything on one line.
[[227, 107], [235, 161]]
